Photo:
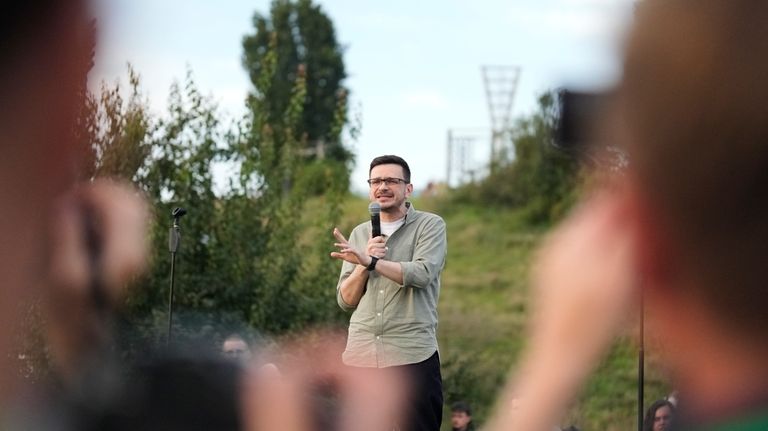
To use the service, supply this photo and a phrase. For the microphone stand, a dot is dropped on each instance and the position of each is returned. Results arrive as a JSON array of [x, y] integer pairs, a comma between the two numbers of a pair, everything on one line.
[[173, 247]]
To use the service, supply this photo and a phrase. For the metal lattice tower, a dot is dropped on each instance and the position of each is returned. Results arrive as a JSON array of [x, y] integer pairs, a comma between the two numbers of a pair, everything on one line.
[[465, 157], [500, 87]]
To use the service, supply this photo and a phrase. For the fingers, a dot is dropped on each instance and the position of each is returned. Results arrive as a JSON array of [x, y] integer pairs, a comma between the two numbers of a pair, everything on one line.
[[345, 249], [339, 236], [342, 243], [270, 402], [337, 255], [98, 242], [372, 399], [347, 254], [588, 257], [377, 252], [377, 240], [104, 224], [584, 282], [314, 390], [123, 216], [68, 261], [377, 247]]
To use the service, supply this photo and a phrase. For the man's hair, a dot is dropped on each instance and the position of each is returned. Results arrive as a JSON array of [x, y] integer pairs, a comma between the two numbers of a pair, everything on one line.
[[693, 103], [461, 406], [650, 414], [236, 336], [392, 160]]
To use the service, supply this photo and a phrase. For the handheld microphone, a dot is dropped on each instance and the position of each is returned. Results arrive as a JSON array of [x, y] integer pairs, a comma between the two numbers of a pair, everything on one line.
[[375, 209]]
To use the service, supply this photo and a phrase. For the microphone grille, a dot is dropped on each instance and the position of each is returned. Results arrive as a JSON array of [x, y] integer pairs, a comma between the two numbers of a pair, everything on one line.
[[374, 208]]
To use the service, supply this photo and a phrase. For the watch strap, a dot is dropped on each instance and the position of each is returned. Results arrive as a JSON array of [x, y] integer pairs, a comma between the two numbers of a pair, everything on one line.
[[371, 266]]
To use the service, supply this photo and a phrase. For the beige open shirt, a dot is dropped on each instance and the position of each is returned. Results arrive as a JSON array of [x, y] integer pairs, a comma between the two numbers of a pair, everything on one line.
[[397, 324]]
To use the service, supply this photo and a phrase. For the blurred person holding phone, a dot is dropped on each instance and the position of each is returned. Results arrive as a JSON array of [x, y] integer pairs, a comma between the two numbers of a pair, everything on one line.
[[47, 219], [75, 247], [683, 226]]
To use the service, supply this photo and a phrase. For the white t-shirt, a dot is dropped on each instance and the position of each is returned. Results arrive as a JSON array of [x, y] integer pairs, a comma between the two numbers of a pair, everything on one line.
[[389, 227]]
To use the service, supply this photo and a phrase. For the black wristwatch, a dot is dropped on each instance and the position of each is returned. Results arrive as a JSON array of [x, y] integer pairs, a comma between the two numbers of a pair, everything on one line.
[[371, 266]]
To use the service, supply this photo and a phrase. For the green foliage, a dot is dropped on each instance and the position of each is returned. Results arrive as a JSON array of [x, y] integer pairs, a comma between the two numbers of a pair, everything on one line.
[[115, 132], [302, 39], [484, 309], [253, 255], [483, 303], [184, 146], [609, 399], [540, 180]]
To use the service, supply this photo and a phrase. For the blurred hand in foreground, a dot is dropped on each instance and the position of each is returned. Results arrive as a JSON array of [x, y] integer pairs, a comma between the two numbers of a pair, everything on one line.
[[98, 243], [314, 390], [583, 285]]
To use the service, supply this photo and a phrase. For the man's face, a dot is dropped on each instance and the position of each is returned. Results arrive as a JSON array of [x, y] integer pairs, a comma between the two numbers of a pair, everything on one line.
[[389, 196], [236, 349], [460, 420], [662, 419]]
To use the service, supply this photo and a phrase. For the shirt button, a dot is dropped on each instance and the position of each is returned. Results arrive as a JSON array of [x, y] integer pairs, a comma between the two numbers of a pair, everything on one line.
[[378, 337], [381, 291], [378, 314]]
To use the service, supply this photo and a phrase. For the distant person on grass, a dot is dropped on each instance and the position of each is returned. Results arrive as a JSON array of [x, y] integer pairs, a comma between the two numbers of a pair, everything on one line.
[[461, 417], [236, 348], [659, 416]]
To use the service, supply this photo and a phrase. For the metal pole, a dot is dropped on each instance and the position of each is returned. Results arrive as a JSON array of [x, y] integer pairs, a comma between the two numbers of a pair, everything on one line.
[[170, 299], [173, 247]]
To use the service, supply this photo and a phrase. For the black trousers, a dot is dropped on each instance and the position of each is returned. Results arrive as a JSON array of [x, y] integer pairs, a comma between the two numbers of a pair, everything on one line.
[[425, 397]]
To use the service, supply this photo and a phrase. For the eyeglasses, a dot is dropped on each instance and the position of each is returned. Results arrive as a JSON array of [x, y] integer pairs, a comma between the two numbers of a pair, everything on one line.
[[376, 182]]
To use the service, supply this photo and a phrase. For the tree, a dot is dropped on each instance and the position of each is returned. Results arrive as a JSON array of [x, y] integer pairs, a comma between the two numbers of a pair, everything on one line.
[[304, 41], [253, 255], [250, 256], [541, 180], [115, 132], [294, 266]]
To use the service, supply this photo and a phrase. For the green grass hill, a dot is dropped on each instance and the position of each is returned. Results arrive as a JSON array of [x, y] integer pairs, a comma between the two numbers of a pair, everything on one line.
[[483, 310]]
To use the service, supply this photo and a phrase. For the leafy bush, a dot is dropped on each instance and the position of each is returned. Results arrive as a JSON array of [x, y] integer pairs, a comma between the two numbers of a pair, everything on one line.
[[540, 180]]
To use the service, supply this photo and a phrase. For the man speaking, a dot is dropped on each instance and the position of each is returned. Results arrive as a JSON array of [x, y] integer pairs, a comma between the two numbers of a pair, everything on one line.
[[391, 282]]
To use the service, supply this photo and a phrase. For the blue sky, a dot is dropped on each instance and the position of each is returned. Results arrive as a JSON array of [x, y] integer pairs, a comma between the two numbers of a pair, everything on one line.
[[414, 66]]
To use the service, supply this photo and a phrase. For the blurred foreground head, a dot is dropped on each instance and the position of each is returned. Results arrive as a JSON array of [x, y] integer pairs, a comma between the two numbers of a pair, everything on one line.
[[694, 117], [687, 227], [45, 53]]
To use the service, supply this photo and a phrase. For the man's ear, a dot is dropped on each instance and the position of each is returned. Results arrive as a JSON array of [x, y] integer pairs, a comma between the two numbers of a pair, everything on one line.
[[408, 190]]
